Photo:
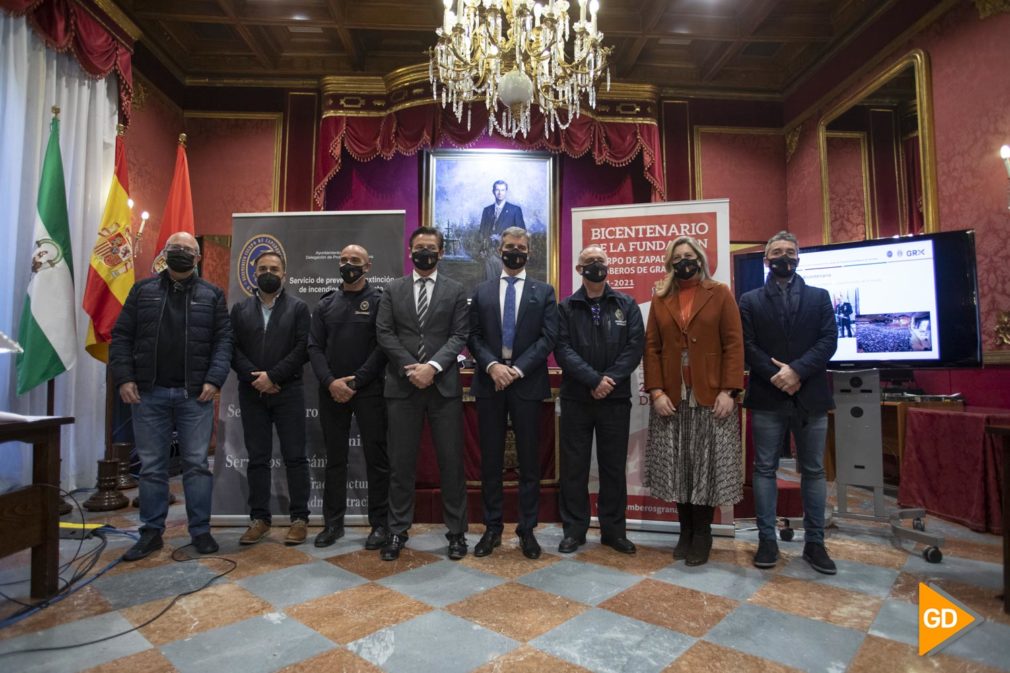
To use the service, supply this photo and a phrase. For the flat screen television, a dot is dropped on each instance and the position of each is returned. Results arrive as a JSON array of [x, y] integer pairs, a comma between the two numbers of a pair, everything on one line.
[[907, 302]]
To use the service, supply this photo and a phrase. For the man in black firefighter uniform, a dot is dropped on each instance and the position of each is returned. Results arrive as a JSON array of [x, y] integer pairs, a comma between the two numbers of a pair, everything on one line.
[[349, 365]]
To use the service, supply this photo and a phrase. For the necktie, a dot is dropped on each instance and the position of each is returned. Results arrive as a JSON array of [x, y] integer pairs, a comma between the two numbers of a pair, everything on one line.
[[422, 311], [508, 320]]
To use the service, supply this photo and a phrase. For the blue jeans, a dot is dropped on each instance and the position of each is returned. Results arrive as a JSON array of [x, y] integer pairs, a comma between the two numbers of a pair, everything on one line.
[[769, 432], [162, 410]]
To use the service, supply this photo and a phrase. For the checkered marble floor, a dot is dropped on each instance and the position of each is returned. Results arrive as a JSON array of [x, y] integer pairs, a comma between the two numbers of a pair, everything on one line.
[[301, 609]]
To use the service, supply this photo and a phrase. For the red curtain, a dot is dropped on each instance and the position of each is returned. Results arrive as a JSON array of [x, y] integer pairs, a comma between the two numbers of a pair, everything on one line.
[[66, 25], [411, 129]]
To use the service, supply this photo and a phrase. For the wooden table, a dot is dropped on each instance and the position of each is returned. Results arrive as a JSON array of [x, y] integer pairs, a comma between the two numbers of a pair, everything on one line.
[[29, 516], [1003, 432]]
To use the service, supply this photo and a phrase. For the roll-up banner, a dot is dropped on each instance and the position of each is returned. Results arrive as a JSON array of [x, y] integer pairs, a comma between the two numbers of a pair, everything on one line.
[[311, 245], [635, 238]]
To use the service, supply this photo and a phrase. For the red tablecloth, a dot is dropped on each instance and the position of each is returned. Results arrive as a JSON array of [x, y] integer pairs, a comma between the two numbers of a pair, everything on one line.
[[951, 468]]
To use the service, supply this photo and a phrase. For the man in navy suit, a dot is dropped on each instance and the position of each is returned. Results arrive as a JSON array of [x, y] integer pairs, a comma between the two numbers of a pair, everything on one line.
[[495, 219], [789, 335], [513, 328]]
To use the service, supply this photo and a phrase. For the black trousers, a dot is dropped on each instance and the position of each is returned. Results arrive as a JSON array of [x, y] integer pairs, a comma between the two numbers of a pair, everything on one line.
[[445, 417], [335, 419], [284, 411], [610, 420], [492, 416]]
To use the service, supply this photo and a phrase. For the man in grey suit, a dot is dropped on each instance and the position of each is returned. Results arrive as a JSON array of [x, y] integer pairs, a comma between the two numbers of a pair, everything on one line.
[[422, 325]]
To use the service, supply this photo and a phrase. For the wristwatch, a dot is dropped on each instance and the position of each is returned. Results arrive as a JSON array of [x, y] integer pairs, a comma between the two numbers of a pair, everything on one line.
[[352, 384], [734, 393]]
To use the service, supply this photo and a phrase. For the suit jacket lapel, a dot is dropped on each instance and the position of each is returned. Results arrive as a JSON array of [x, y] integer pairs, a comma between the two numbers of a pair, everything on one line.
[[527, 295], [701, 296]]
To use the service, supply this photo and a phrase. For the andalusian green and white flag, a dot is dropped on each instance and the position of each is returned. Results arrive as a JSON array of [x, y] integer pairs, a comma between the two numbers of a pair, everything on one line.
[[48, 331]]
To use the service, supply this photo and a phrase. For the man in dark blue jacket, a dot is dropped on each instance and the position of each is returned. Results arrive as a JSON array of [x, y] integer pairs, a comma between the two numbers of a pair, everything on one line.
[[271, 331], [349, 364], [169, 356], [601, 338], [789, 336], [513, 329]]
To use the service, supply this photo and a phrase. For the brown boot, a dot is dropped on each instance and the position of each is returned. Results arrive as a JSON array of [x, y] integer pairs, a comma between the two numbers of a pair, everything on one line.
[[684, 514], [257, 530], [297, 533]]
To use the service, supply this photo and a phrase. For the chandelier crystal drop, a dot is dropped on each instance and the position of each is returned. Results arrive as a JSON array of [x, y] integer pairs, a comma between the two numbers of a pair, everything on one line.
[[517, 52]]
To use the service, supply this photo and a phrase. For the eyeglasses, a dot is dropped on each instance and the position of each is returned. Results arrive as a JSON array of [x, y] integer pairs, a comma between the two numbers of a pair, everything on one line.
[[597, 314], [175, 247]]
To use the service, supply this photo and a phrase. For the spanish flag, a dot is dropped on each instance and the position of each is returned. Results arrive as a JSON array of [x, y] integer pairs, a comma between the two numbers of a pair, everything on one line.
[[111, 274]]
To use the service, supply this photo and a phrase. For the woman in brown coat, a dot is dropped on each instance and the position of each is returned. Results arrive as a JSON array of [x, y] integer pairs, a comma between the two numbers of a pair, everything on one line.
[[693, 372]]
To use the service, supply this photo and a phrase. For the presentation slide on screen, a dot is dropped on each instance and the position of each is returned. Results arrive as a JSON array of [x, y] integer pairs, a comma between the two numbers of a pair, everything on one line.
[[884, 298]]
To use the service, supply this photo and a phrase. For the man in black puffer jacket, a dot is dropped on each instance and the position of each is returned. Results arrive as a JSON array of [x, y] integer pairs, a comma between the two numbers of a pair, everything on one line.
[[170, 354], [271, 332]]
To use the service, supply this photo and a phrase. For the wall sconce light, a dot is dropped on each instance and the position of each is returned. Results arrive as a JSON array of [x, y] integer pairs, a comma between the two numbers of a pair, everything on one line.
[[1004, 153]]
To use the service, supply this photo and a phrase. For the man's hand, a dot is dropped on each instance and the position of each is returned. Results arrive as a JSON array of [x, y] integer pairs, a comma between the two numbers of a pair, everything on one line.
[[421, 375], [502, 375], [208, 392], [603, 388], [786, 380], [663, 405], [340, 391], [128, 393], [724, 405], [262, 383]]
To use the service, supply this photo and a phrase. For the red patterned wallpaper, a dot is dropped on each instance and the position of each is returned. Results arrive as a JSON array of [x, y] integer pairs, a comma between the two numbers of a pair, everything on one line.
[[233, 164], [846, 192], [150, 151], [804, 207], [747, 166]]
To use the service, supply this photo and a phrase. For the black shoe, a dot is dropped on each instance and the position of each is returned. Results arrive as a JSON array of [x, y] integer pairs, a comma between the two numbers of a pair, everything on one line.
[[377, 538], [149, 542], [528, 543], [205, 543], [457, 545], [488, 541], [328, 535], [816, 555], [701, 547], [394, 543], [767, 554], [621, 544], [570, 544]]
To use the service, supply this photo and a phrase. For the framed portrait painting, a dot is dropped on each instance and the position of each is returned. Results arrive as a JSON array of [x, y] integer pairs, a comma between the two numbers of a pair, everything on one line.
[[472, 196]]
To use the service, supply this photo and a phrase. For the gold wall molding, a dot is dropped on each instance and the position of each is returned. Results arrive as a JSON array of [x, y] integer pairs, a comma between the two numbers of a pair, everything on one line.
[[276, 117], [1002, 329], [919, 62], [987, 8], [793, 141], [118, 17]]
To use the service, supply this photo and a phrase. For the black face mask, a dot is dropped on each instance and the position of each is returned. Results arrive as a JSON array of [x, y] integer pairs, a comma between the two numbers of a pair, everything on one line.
[[268, 282], [686, 268], [424, 259], [514, 259], [595, 272], [783, 267], [351, 273], [180, 261]]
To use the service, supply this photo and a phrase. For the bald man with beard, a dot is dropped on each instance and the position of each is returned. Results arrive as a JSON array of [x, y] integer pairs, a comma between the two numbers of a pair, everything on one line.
[[170, 354]]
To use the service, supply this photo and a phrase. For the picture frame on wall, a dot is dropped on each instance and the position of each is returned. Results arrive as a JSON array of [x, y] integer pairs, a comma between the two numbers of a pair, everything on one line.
[[471, 196]]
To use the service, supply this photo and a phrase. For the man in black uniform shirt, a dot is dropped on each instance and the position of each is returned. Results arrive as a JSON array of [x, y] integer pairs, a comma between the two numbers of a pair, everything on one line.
[[349, 365], [271, 331]]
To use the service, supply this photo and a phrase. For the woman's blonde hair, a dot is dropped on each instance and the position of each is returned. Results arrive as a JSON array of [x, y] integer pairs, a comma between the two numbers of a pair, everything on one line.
[[667, 283]]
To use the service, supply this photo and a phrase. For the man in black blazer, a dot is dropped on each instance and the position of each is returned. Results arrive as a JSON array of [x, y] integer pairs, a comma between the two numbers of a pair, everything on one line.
[[789, 336], [422, 326], [513, 328], [495, 219]]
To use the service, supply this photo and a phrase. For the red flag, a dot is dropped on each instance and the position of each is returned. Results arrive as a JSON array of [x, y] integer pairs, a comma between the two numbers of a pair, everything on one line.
[[178, 214]]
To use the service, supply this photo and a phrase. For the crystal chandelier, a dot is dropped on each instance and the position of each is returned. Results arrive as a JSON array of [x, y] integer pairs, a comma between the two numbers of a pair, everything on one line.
[[516, 52]]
